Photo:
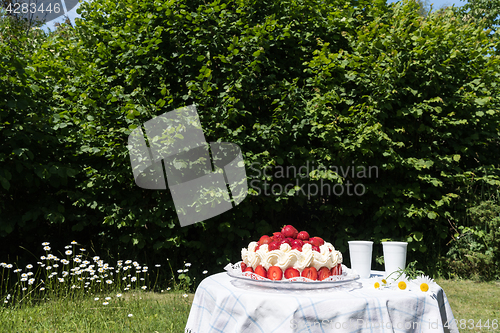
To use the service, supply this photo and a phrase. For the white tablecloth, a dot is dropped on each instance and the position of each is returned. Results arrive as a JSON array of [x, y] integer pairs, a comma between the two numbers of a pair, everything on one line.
[[225, 304]]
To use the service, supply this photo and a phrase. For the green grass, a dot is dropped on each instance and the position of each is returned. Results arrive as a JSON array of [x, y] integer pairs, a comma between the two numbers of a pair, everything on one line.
[[151, 312], [473, 301]]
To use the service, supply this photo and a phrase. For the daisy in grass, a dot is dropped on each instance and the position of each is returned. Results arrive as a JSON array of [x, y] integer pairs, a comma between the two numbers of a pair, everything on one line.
[[425, 283]]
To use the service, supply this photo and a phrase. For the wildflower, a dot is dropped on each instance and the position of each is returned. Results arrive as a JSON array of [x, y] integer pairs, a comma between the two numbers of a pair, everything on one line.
[[24, 279], [65, 262], [55, 265], [46, 248], [187, 264], [61, 279], [109, 281], [74, 242], [133, 279], [96, 299], [82, 249], [29, 266], [77, 260], [185, 295], [401, 283], [30, 281], [67, 247], [118, 295], [130, 315], [68, 253], [144, 287], [424, 283], [185, 271], [24, 288], [45, 243], [8, 266], [42, 288], [18, 270], [96, 258], [168, 288], [42, 258], [205, 272], [105, 303], [179, 271], [128, 262], [157, 265], [49, 268], [107, 298]]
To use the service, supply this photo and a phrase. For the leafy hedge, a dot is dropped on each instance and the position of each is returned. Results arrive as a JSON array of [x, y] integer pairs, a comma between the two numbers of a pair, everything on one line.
[[326, 84]]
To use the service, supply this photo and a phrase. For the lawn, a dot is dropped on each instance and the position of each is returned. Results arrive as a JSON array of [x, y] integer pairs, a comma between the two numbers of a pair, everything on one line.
[[140, 311], [475, 305]]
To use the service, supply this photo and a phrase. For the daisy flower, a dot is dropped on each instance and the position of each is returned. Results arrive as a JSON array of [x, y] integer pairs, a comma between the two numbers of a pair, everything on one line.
[[45, 243], [377, 283], [105, 303], [46, 248], [424, 283], [130, 315], [107, 298], [73, 242], [205, 272], [401, 283], [144, 287], [68, 253], [187, 264], [29, 266]]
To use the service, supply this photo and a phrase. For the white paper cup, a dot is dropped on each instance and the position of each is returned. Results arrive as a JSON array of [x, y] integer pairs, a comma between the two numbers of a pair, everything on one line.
[[394, 256], [360, 253]]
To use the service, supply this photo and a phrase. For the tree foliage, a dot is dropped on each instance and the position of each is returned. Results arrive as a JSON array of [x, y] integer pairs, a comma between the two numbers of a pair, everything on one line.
[[302, 82]]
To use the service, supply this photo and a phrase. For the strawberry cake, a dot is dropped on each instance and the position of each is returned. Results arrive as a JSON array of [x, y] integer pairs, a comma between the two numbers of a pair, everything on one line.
[[289, 253]]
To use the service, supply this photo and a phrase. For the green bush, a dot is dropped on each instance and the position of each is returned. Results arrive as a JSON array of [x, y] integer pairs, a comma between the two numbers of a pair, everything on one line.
[[475, 248], [303, 82]]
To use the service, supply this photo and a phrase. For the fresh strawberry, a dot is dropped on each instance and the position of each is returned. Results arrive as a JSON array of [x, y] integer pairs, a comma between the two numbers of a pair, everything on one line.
[[257, 247], [278, 236], [303, 235], [323, 273], [297, 242], [298, 248], [288, 240], [307, 241], [318, 241], [310, 273], [243, 266], [248, 269], [259, 270], [274, 273], [274, 246], [291, 272], [315, 248], [265, 240], [337, 270], [289, 231]]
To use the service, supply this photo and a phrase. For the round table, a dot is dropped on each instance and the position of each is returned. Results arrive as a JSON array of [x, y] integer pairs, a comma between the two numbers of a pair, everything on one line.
[[226, 304]]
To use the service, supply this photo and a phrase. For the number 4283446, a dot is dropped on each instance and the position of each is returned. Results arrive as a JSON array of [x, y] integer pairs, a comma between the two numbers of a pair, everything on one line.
[[472, 323], [32, 8]]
